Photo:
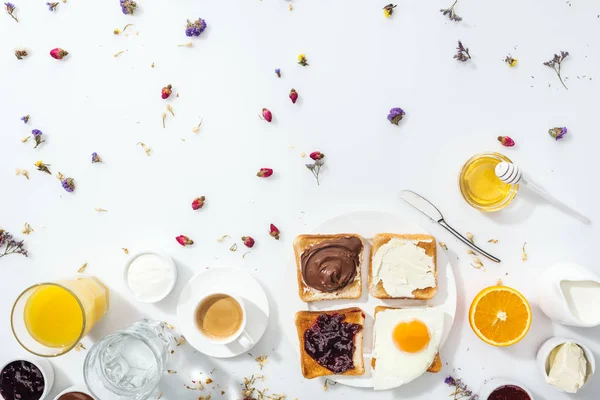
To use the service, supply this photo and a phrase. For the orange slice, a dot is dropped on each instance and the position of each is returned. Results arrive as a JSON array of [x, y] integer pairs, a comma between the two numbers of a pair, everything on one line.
[[500, 316]]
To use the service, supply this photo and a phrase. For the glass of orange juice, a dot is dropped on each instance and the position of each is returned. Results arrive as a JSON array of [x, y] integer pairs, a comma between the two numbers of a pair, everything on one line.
[[49, 319]]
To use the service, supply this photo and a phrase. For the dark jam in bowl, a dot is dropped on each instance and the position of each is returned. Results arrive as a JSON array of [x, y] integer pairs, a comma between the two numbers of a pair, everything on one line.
[[21, 380], [330, 342], [509, 392]]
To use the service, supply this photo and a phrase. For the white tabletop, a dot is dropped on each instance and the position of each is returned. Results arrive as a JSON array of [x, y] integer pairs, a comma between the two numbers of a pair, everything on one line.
[[361, 65]]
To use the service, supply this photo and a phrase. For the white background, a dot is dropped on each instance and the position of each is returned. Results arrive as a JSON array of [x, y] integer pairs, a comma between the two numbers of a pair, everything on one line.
[[361, 65]]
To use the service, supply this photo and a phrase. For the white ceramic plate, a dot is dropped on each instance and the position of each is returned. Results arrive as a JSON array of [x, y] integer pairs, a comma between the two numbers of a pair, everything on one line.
[[367, 224], [230, 280]]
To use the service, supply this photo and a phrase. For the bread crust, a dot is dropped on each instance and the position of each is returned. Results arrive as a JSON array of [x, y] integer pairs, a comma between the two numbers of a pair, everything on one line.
[[310, 367], [435, 366], [426, 242], [351, 291]]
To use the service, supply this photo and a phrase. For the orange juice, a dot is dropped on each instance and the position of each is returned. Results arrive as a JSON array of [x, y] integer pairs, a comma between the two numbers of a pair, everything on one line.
[[58, 315]]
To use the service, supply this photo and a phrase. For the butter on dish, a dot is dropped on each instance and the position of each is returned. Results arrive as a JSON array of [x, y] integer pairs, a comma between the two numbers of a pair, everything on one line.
[[403, 266]]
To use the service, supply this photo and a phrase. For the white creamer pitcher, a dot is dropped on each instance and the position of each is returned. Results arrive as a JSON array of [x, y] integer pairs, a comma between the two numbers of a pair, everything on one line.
[[570, 294]]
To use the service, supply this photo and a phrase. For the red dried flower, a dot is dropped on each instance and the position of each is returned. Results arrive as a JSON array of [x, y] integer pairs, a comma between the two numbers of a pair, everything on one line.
[[166, 91], [267, 115], [198, 203], [58, 53], [248, 241], [293, 95], [184, 240], [264, 172], [274, 231], [506, 141], [317, 155]]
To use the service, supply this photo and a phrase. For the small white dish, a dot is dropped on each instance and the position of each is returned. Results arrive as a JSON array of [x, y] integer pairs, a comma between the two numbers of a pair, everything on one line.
[[75, 389], [169, 285], [44, 366], [492, 384], [550, 344], [232, 281]]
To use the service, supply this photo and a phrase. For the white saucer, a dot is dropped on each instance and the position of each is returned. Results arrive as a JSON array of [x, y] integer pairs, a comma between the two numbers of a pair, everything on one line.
[[230, 280]]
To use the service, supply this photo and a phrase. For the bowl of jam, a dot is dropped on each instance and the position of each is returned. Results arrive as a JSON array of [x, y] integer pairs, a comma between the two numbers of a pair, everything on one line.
[[504, 389], [75, 393], [26, 379]]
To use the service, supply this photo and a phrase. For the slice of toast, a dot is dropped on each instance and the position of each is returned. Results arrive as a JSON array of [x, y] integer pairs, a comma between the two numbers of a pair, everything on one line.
[[351, 291], [426, 242], [435, 366], [310, 367]]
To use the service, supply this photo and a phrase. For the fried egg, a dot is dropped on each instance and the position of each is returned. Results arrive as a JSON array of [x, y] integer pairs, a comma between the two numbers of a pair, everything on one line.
[[406, 342]]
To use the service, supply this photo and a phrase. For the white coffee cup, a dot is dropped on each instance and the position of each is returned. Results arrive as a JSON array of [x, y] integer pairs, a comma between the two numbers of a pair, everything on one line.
[[241, 335]]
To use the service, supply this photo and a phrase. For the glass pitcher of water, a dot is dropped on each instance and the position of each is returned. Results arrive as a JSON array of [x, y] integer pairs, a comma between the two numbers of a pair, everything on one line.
[[127, 365]]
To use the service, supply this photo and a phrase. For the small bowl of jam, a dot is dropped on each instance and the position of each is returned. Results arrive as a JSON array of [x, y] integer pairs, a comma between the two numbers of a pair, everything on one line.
[[504, 389], [75, 393], [26, 379]]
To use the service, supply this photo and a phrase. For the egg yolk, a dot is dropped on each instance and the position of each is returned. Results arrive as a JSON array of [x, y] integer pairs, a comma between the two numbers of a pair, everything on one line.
[[411, 336]]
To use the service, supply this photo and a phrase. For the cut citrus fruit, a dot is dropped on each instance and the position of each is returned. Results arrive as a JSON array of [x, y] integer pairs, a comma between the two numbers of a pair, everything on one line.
[[500, 316]]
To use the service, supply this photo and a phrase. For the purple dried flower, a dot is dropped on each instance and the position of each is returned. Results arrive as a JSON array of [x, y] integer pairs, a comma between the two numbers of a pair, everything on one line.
[[449, 380], [460, 389], [451, 13], [96, 158], [11, 245], [10, 10], [52, 6], [25, 119], [395, 115], [462, 54], [68, 184], [278, 72], [558, 133], [555, 64], [37, 136], [128, 6], [195, 28]]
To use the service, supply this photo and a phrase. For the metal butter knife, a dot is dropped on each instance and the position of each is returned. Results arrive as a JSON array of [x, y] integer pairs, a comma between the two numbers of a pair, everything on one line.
[[422, 204]]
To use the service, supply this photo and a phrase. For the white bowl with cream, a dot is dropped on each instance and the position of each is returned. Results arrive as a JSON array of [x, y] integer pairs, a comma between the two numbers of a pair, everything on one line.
[[150, 276], [569, 368]]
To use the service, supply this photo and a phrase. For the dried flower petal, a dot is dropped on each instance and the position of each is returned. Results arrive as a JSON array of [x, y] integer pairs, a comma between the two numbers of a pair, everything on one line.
[[266, 115], [477, 262], [274, 231], [196, 129], [223, 238], [248, 241], [100, 209], [443, 245], [96, 158], [524, 253], [125, 250], [27, 229], [80, 347], [195, 28], [82, 269], [512, 62], [166, 91], [555, 64], [557, 133], [58, 53], [293, 95], [146, 148], [25, 139], [170, 371], [184, 240], [264, 172], [471, 252], [471, 237], [302, 59], [188, 45], [278, 72], [180, 341], [37, 137], [198, 203], [317, 155], [21, 54], [118, 53], [170, 109], [25, 118], [52, 6], [10, 10], [42, 167], [389, 10], [493, 241], [506, 141], [233, 247], [395, 115], [128, 7], [261, 360], [451, 13], [462, 53]]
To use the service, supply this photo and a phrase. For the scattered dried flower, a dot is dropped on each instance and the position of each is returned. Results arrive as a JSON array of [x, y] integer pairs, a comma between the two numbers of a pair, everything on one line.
[[27, 229], [159, 396], [21, 53], [147, 149], [274, 231], [25, 118], [180, 341], [125, 250], [100, 209], [302, 154], [264, 172], [170, 109], [170, 371], [477, 263], [96, 158], [82, 269], [233, 247], [462, 53], [196, 129], [278, 72], [117, 31], [389, 10], [209, 381], [188, 45], [557, 133], [184, 240], [42, 167], [10, 10], [443, 245], [37, 136], [58, 53], [315, 168], [327, 384], [512, 62], [248, 241], [395, 115], [198, 202], [555, 64], [80, 347], [451, 13], [267, 115], [293, 95], [118, 53], [11, 246], [195, 28], [223, 238], [493, 241], [524, 253], [291, 7], [21, 171], [461, 391], [52, 6], [168, 325], [506, 141], [471, 237], [67, 183], [302, 59], [166, 91], [261, 360], [471, 252], [128, 7], [163, 116]]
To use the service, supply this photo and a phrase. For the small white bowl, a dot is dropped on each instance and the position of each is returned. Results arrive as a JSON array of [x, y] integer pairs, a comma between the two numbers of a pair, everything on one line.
[[550, 344], [492, 384], [173, 279], [44, 366], [76, 388]]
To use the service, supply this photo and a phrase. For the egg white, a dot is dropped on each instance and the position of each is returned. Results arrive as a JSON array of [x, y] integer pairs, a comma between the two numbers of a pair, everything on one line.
[[394, 367]]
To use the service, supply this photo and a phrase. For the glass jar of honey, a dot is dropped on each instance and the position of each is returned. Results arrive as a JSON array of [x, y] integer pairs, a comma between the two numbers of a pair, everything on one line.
[[480, 186]]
